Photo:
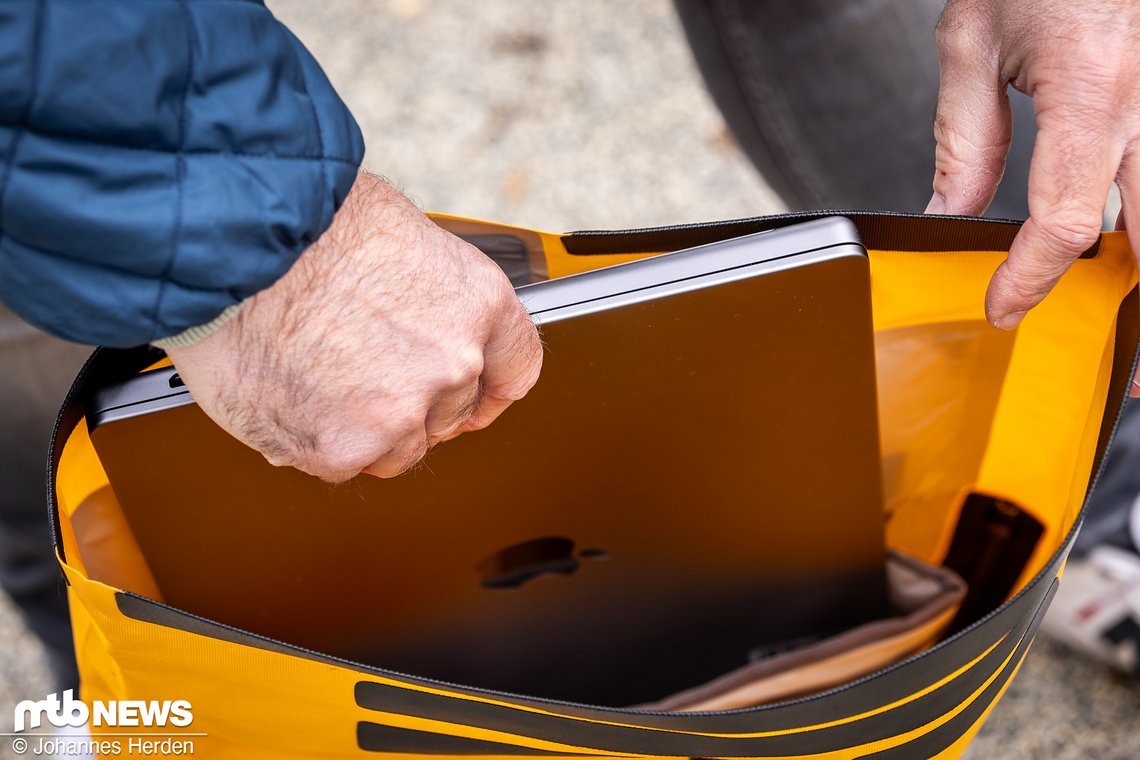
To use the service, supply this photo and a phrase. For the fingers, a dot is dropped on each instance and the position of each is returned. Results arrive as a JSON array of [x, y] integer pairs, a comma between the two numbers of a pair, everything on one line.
[[475, 392], [445, 418], [972, 124], [400, 458], [1073, 167], [411, 440], [452, 411], [510, 365], [512, 361]]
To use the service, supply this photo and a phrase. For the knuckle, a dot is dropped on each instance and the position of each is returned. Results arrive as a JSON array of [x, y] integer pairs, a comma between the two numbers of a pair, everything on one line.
[[956, 36], [461, 414], [398, 461], [953, 41], [280, 450], [405, 425], [475, 425], [340, 462], [465, 368], [343, 453], [1069, 236], [1098, 65], [418, 451], [518, 386], [478, 422], [514, 391], [385, 468]]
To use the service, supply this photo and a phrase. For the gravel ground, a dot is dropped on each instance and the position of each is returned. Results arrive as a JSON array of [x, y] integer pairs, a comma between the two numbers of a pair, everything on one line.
[[588, 114]]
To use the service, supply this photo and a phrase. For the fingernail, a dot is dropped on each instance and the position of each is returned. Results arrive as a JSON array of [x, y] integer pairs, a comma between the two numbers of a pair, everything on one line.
[[937, 205], [1010, 321]]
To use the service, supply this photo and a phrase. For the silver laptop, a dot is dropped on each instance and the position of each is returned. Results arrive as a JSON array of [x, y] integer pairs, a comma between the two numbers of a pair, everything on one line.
[[693, 481]]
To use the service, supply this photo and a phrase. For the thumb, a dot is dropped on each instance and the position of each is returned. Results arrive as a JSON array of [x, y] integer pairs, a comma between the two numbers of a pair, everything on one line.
[[972, 124]]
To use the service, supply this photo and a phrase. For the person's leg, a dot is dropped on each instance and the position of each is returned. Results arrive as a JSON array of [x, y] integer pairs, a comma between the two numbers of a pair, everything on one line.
[[35, 372], [833, 100]]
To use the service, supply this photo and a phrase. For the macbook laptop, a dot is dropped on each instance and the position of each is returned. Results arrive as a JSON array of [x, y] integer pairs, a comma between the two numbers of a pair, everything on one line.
[[693, 480]]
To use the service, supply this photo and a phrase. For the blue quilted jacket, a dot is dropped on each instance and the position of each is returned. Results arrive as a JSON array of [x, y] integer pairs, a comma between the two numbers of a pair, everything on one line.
[[160, 161]]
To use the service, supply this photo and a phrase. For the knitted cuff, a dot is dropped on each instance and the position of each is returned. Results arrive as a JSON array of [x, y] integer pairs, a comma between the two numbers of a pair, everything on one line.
[[195, 334]]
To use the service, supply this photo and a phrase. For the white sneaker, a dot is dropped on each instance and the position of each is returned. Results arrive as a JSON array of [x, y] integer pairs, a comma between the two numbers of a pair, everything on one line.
[[1097, 607]]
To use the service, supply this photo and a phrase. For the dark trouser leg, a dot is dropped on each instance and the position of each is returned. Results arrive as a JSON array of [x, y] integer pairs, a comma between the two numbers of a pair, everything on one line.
[[35, 372], [833, 100]]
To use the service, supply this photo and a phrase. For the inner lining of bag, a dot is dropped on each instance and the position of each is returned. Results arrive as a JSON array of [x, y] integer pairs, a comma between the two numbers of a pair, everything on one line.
[[969, 411], [966, 411]]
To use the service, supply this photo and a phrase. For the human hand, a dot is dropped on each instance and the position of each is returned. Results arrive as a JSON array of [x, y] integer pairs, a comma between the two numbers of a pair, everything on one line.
[[1077, 59], [388, 335]]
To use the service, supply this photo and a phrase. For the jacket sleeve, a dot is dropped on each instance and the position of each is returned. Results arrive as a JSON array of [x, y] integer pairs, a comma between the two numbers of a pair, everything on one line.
[[160, 161]]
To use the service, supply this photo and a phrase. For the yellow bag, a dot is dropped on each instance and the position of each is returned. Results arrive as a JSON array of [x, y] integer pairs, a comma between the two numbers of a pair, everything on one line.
[[982, 430]]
